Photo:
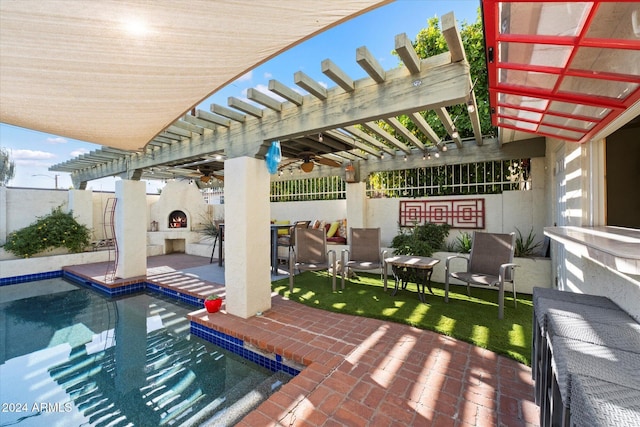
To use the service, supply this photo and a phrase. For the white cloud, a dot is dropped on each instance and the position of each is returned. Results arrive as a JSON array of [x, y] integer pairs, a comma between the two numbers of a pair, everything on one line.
[[32, 163], [268, 75], [78, 152], [56, 140], [245, 77], [31, 155]]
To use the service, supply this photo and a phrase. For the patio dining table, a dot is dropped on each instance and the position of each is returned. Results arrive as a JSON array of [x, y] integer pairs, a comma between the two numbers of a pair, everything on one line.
[[274, 245], [422, 266]]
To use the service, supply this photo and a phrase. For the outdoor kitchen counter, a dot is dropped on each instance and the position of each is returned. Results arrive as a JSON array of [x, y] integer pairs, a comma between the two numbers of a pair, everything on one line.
[[615, 247]]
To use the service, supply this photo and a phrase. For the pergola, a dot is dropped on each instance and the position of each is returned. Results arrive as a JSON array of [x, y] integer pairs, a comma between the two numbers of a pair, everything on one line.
[[331, 127], [561, 69]]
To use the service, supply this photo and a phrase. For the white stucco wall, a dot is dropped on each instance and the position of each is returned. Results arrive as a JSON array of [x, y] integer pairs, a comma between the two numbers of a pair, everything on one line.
[[81, 203], [20, 267], [573, 268], [328, 210], [503, 213], [25, 205]]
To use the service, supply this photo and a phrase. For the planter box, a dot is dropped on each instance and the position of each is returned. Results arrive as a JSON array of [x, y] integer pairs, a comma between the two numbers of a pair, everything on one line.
[[44, 264]]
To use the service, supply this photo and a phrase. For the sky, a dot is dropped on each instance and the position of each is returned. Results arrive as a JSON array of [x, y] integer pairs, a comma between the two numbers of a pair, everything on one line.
[[34, 152]]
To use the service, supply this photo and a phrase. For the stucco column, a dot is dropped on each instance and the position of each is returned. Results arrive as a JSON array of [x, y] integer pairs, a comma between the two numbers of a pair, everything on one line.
[[81, 203], [356, 204], [247, 237], [131, 228], [3, 216]]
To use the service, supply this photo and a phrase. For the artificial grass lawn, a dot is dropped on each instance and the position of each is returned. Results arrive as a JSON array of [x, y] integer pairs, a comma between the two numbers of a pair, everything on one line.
[[472, 319]]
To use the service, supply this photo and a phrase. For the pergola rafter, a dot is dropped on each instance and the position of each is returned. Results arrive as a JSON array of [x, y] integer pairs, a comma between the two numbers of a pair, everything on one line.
[[338, 123]]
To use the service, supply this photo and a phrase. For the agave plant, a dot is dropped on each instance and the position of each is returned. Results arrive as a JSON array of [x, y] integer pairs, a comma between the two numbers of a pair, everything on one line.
[[526, 247]]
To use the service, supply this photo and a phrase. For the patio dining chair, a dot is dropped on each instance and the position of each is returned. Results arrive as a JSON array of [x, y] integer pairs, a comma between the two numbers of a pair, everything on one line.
[[289, 240], [364, 252], [311, 254], [489, 265]]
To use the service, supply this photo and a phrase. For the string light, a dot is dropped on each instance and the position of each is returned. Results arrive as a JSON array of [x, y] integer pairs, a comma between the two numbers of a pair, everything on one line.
[[470, 107]]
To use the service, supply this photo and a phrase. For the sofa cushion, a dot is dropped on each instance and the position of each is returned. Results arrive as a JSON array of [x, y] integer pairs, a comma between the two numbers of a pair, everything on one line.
[[282, 231], [337, 240]]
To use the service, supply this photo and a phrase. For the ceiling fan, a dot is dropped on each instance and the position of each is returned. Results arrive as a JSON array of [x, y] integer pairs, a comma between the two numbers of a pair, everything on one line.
[[309, 158]]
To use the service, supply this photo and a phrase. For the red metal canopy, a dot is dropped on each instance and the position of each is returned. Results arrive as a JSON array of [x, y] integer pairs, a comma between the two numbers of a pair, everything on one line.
[[563, 69]]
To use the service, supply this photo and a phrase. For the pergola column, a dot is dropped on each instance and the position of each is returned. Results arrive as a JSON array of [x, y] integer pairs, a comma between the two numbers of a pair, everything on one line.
[[3, 217], [356, 204], [247, 237], [131, 228]]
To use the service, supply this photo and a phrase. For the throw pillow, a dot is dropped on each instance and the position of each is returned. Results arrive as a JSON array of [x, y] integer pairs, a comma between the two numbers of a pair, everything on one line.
[[332, 230], [283, 231], [342, 230]]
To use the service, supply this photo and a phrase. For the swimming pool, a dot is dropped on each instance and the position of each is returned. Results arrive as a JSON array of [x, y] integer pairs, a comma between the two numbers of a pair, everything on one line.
[[60, 365]]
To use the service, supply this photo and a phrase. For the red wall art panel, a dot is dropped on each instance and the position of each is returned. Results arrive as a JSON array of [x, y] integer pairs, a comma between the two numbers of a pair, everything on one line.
[[458, 213]]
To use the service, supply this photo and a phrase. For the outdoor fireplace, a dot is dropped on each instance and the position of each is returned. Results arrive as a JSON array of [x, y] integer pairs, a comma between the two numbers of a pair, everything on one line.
[[177, 219]]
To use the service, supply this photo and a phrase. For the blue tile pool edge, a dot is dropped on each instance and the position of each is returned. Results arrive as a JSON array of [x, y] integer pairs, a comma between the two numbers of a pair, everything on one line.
[[112, 292], [4, 281], [273, 362]]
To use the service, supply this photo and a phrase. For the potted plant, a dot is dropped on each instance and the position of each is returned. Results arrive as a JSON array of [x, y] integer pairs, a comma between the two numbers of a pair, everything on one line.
[[212, 303], [419, 240]]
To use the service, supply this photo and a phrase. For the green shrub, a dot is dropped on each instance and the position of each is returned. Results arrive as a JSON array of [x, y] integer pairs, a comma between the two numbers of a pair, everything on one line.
[[420, 240], [56, 230]]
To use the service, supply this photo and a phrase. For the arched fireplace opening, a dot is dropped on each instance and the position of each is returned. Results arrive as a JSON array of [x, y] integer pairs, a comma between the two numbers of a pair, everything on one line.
[[177, 219]]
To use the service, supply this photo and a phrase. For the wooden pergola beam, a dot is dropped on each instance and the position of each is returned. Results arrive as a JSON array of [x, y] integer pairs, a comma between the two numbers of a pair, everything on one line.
[[406, 133], [445, 118], [407, 53], [341, 78], [424, 127], [213, 118], [373, 127], [285, 92], [264, 99], [244, 107], [228, 113], [310, 85], [369, 63]]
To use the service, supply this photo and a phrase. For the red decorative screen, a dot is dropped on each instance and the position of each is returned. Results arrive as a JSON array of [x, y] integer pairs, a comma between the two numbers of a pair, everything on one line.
[[458, 213]]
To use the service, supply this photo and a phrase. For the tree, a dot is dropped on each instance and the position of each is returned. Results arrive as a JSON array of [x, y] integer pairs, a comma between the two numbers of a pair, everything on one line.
[[7, 167], [430, 42]]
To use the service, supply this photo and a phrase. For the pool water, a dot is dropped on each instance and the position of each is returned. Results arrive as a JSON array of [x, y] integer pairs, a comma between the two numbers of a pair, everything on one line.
[[71, 357]]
